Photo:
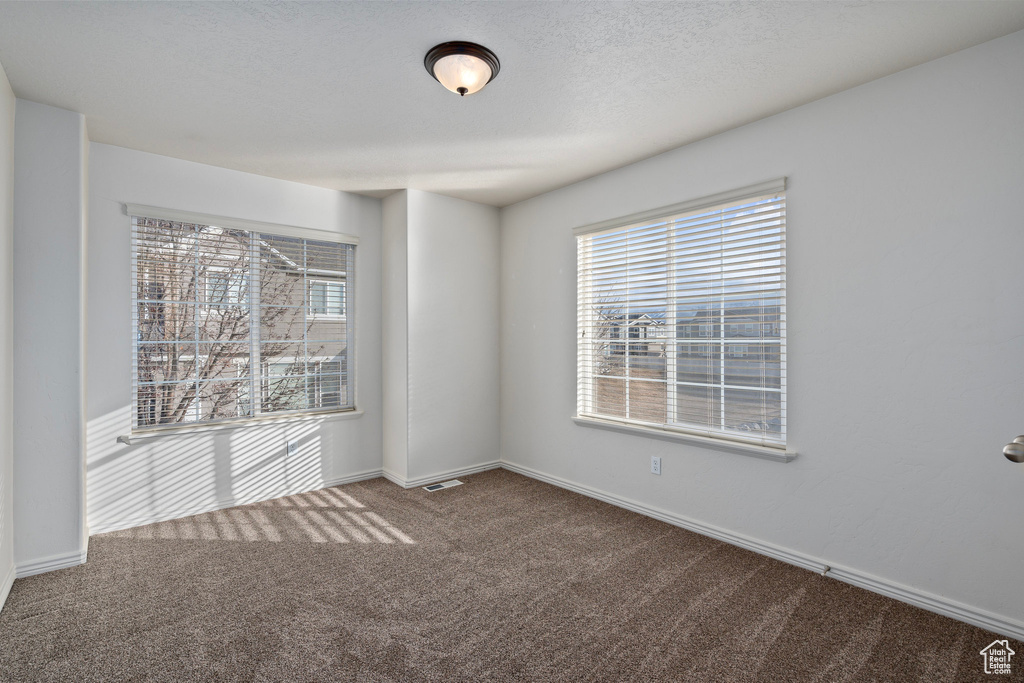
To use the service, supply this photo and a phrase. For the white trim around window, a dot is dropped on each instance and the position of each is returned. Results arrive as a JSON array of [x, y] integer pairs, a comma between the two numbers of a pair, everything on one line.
[[768, 187], [203, 349], [238, 223], [137, 437], [681, 329], [665, 434], [328, 301]]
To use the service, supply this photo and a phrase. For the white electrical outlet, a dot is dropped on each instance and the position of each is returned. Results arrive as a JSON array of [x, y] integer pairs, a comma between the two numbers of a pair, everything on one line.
[[291, 447], [655, 465]]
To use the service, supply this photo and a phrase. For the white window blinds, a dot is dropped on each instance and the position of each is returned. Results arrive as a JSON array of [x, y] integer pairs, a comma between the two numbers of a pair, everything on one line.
[[681, 318], [226, 323]]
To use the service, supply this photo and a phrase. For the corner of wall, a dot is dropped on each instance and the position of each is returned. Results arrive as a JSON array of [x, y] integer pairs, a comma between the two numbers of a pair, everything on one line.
[[83, 281], [7, 108], [394, 334], [49, 515], [453, 285]]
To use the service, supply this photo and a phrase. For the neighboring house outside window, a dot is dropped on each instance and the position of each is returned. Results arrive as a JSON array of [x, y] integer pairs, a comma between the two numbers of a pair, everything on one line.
[[232, 323], [681, 318]]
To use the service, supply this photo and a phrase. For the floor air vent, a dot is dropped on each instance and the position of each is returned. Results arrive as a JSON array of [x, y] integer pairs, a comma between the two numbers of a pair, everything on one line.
[[443, 485]]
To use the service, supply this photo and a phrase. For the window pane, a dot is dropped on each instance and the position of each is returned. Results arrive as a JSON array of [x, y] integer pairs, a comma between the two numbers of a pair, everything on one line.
[[325, 351], [280, 358], [753, 412], [222, 323], [318, 297], [647, 401], [321, 329], [282, 271], [283, 393], [609, 396], [166, 403], [698, 361], [206, 297], [695, 302], [327, 297], [226, 288], [283, 377], [753, 365], [331, 392], [222, 360], [284, 323], [165, 321], [699, 406], [224, 400], [609, 358], [279, 287], [286, 253], [165, 362], [325, 258], [165, 261]]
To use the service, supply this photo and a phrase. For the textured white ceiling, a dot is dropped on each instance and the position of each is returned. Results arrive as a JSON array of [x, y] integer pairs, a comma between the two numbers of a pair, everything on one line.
[[335, 94]]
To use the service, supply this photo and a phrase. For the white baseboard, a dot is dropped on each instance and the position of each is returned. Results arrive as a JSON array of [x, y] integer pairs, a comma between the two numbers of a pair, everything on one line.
[[178, 513], [5, 585], [440, 476], [52, 563], [997, 623], [1004, 626]]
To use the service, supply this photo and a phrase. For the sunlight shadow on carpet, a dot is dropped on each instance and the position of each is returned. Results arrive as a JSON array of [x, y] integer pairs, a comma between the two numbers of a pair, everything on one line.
[[324, 516]]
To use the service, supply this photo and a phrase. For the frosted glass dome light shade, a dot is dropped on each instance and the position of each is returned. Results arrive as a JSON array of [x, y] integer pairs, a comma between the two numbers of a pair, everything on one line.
[[464, 68], [464, 74]]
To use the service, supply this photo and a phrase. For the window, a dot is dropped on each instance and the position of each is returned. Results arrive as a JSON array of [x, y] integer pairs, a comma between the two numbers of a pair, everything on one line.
[[224, 288], [710, 276], [327, 297], [236, 323]]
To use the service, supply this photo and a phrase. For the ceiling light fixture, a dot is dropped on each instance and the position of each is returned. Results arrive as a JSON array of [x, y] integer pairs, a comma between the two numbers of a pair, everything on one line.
[[463, 68]]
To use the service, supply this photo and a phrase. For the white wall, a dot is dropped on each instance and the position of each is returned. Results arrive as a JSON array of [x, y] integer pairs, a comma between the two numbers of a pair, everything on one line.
[[176, 475], [906, 333], [441, 336], [453, 334], [50, 156], [395, 333], [7, 106]]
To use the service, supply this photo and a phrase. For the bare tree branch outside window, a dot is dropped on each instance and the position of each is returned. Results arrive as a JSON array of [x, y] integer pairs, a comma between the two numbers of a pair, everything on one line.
[[225, 327]]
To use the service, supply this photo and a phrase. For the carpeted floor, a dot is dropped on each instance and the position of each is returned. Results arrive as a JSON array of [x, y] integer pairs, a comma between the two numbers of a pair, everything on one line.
[[502, 579]]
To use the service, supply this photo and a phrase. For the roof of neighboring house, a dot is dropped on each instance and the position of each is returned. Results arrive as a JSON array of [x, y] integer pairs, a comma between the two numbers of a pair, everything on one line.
[[637, 318]]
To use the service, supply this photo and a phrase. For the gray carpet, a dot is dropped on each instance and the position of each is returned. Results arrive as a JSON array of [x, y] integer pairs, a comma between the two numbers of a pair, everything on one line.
[[502, 579]]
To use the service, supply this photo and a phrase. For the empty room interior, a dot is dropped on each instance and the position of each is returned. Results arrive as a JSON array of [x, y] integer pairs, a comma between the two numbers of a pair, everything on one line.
[[533, 341]]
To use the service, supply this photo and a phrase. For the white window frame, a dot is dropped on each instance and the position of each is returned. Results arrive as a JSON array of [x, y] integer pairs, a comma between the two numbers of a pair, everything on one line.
[[330, 316], [160, 213], [586, 417]]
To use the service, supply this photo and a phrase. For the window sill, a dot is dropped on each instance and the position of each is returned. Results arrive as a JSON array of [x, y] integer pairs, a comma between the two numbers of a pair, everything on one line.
[[755, 450], [249, 423]]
